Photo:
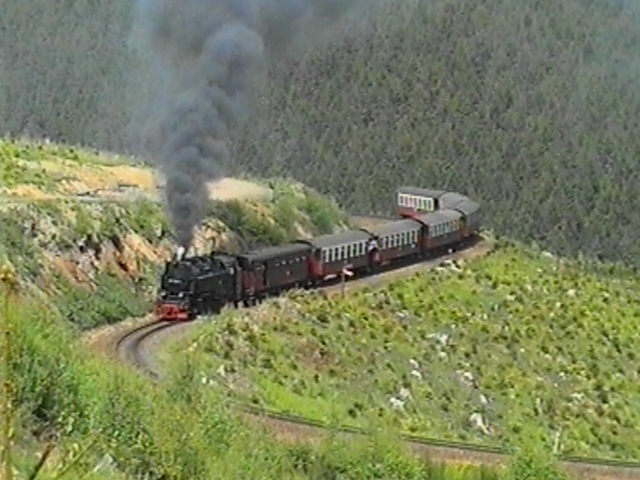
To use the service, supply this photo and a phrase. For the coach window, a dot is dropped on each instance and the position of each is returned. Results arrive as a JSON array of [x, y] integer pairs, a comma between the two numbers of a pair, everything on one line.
[[343, 252]]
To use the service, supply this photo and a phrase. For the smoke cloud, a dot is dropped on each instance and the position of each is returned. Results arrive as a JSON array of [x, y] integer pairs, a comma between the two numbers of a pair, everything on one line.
[[205, 55]]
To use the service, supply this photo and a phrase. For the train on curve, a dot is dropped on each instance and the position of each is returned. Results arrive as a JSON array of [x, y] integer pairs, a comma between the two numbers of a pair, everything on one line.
[[430, 222]]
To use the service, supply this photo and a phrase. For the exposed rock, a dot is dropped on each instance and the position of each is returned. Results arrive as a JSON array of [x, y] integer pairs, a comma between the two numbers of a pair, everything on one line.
[[478, 422], [404, 394], [396, 403]]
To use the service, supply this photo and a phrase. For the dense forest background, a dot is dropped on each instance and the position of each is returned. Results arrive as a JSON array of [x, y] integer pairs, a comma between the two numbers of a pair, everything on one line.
[[532, 108]]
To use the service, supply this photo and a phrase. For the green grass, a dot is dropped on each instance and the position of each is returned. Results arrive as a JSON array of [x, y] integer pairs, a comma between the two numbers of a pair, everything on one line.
[[174, 431], [537, 346], [38, 151], [20, 162], [177, 430], [101, 413]]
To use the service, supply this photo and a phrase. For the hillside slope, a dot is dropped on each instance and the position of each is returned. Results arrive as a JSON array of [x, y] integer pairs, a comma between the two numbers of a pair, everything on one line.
[[82, 259], [514, 347], [90, 231]]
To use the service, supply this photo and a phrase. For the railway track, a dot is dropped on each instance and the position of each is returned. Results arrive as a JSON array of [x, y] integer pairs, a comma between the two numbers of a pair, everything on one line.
[[133, 347], [129, 347]]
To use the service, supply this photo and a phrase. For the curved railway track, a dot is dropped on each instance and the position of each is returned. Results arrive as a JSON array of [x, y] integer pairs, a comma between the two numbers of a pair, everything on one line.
[[133, 348]]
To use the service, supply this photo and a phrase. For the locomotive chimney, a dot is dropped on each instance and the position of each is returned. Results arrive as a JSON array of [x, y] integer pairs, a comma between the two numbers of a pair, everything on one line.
[[180, 253]]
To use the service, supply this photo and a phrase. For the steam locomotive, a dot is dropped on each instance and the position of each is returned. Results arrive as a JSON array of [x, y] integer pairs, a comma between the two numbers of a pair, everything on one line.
[[430, 221]]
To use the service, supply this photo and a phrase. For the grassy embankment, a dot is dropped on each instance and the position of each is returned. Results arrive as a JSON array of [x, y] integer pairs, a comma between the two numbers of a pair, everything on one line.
[[518, 346], [105, 421]]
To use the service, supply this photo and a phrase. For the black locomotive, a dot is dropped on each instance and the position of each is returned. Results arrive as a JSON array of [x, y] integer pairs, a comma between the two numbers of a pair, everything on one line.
[[431, 220]]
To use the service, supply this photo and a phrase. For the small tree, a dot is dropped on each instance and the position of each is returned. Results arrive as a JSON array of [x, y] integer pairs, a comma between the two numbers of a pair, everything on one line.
[[9, 283], [9, 288]]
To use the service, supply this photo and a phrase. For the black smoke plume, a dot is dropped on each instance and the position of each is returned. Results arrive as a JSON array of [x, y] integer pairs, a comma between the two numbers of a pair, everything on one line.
[[204, 56]]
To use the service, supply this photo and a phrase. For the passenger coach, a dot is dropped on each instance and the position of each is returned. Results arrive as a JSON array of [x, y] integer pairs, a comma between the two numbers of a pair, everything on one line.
[[331, 253], [412, 201]]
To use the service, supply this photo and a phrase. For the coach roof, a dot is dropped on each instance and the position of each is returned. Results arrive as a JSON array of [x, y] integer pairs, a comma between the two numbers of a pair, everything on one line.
[[438, 216], [340, 238], [422, 192], [277, 251], [389, 228], [451, 199]]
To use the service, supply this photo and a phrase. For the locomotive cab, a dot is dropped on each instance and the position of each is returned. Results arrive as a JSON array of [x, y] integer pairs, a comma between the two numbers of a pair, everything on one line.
[[196, 285]]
